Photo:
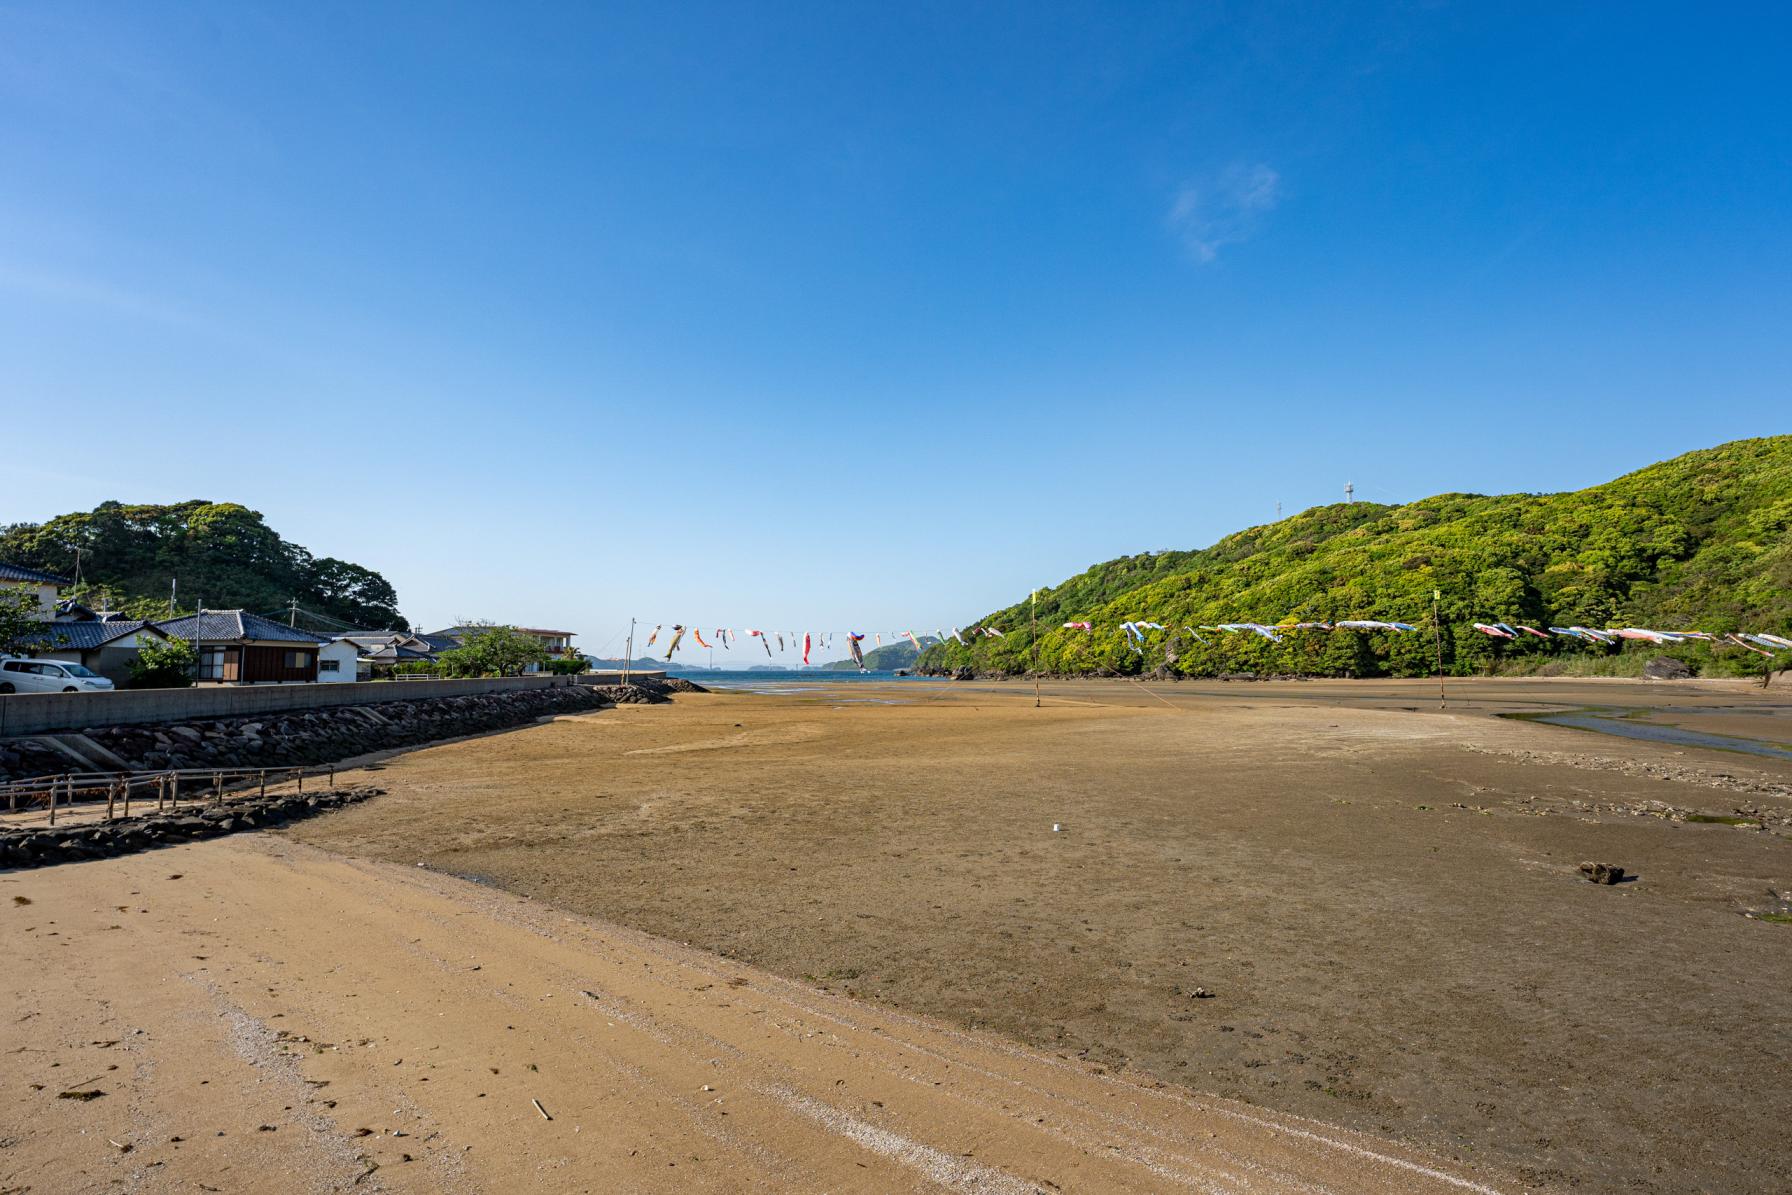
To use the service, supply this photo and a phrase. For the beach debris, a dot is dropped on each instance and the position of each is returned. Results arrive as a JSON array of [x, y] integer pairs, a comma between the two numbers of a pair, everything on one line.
[[91, 1093], [1200, 994], [1057, 827], [1602, 873], [540, 1109]]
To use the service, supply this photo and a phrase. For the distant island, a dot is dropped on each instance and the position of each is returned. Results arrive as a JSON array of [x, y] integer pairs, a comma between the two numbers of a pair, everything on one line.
[[612, 664], [889, 658]]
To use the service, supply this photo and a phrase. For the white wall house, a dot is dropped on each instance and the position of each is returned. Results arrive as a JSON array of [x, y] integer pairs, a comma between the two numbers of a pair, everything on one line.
[[558, 643], [336, 661], [47, 586]]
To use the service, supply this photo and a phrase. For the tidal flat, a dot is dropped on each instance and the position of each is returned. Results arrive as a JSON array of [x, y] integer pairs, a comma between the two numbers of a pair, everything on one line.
[[1331, 899]]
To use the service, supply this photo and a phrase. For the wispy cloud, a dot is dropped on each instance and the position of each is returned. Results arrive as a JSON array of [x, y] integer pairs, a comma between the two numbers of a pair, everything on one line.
[[1224, 208], [95, 294]]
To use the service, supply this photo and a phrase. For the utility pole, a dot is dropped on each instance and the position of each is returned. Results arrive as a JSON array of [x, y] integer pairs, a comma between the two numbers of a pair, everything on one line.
[[173, 586], [292, 615], [629, 657]]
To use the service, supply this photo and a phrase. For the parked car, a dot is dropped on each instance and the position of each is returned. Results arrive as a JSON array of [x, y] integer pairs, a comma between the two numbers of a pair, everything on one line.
[[48, 676]]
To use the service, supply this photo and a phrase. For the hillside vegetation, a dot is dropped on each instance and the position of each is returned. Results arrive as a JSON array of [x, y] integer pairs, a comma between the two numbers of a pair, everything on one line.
[[1700, 542], [224, 555]]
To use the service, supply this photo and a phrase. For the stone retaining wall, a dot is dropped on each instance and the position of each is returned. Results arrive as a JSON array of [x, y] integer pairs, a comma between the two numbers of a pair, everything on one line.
[[300, 737], [41, 713], [322, 736]]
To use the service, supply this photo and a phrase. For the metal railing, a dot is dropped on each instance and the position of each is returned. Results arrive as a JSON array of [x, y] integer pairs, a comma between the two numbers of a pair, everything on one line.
[[167, 788]]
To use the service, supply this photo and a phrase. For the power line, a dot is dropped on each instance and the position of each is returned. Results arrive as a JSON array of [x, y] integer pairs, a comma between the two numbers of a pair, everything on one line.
[[294, 609]]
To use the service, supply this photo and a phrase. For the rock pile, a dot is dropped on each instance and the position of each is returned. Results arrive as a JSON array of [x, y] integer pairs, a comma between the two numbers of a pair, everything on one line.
[[631, 694], [25, 758], [40, 846], [648, 690]]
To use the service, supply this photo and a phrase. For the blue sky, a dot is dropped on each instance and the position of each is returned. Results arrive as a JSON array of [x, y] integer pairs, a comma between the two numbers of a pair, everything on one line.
[[869, 316]]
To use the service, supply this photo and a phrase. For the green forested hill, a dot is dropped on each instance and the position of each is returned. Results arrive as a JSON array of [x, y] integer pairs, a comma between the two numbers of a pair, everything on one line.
[[1700, 542], [224, 555]]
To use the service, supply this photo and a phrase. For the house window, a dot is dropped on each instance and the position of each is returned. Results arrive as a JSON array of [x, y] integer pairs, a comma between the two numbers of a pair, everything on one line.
[[329, 665], [299, 661], [218, 663]]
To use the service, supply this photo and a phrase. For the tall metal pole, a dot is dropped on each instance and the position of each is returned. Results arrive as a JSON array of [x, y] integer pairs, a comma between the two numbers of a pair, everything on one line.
[[1437, 633], [629, 656], [1033, 630]]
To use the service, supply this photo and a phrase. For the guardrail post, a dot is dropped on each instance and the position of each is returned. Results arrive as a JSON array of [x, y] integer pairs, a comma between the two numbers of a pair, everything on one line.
[[264, 782], [127, 796], [174, 789], [301, 780], [53, 802], [217, 788], [111, 796]]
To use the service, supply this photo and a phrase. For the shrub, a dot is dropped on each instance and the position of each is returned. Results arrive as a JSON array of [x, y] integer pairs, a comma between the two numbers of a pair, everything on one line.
[[164, 665]]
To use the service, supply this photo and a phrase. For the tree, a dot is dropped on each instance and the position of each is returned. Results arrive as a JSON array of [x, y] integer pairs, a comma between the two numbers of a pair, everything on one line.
[[355, 594], [223, 554], [1703, 541], [494, 651], [22, 625], [163, 665]]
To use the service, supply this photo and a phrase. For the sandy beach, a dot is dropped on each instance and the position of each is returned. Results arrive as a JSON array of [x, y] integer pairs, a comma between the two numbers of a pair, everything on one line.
[[1286, 936]]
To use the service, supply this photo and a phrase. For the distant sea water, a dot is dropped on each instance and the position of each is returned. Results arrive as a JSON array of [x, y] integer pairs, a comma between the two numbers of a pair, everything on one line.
[[787, 680]]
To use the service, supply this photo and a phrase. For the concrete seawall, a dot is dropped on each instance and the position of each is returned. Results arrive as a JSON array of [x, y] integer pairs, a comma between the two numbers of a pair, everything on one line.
[[37, 713]]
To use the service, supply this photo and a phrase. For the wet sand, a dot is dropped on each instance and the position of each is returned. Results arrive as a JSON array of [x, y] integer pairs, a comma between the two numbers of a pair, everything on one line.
[[1380, 899], [253, 1015]]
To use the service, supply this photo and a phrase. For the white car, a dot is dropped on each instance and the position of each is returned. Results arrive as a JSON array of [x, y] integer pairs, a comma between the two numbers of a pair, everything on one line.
[[49, 676]]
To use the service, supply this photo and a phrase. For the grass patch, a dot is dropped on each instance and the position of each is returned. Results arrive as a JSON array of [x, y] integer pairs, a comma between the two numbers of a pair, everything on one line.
[[1717, 819]]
